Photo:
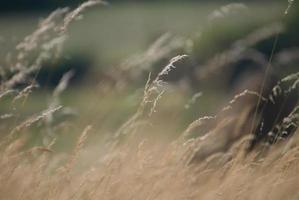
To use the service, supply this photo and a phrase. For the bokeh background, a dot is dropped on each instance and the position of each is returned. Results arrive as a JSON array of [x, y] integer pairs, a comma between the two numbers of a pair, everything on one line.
[[113, 48]]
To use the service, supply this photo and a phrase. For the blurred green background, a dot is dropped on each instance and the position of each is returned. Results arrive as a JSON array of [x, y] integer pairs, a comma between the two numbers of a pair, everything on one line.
[[108, 35]]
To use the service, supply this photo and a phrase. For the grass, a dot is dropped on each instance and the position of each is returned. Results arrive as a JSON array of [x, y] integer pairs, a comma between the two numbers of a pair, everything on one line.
[[91, 145]]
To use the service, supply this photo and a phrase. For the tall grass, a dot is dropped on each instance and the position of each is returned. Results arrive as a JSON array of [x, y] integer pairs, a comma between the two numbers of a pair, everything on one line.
[[216, 157]]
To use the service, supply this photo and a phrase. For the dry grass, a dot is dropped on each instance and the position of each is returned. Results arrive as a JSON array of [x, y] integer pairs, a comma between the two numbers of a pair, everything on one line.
[[212, 164], [151, 170]]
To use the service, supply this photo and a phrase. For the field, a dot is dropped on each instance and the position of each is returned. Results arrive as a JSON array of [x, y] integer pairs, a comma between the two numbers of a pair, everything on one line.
[[150, 101]]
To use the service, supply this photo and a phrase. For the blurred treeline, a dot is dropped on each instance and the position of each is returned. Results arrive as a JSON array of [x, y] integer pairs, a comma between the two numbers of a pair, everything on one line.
[[115, 32], [38, 5]]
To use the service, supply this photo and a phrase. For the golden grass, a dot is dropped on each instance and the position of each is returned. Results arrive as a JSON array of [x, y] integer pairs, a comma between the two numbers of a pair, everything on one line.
[[215, 164], [150, 170]]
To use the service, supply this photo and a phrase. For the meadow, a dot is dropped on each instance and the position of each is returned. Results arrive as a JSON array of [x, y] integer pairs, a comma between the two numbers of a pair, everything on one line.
[[178, 101]]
